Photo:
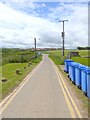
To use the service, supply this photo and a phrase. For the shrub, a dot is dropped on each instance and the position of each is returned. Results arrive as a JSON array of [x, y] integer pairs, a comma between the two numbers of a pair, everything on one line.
[[4, 79], [25, 67], [18, 71], [30, 63]]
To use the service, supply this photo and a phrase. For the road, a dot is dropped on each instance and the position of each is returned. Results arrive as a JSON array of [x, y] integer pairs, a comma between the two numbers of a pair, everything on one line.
[[40, 97]]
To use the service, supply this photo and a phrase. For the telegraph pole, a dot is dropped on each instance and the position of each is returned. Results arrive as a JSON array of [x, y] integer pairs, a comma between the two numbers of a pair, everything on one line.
[[35, 46], [63, 36]]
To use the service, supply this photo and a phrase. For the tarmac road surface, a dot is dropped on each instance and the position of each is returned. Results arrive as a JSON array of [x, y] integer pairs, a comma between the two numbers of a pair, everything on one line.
[[40, 97]]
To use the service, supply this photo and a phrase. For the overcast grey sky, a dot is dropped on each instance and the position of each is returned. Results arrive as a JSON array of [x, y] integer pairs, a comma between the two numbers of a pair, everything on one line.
[[22, 20]]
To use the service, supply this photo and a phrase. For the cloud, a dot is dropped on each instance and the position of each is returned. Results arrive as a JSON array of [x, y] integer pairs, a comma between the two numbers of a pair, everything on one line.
[[43, 5], [24, 1], [77, 26], [22, 28], [18, 29]]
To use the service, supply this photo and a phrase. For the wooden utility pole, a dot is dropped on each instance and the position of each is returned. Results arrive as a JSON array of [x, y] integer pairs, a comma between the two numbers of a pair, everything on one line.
[[35, 46], [63, 36]]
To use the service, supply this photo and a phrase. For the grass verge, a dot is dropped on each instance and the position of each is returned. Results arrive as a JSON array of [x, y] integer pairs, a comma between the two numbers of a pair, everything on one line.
[[57, 58], [13, 79], [83, 100], [79, 94], [84, 61]]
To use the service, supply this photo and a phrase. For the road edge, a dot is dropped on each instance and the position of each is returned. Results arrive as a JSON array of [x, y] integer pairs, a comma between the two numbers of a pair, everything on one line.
[[10, 97], [67, 94]]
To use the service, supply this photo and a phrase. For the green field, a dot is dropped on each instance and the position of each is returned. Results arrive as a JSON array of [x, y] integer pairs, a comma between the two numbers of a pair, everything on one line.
[[13, 55], [18, 59], [13, 79], [56, 56], [14, 59], [83, 61], [83, 52]]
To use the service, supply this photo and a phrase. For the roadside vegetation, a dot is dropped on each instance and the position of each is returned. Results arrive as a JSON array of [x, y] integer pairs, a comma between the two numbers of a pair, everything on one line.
[[56, 56], [16, 64], [83, 61], [16, 55]]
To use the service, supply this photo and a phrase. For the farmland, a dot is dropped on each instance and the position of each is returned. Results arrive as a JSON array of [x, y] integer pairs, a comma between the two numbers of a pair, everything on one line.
[[56, 56], [12, 60]]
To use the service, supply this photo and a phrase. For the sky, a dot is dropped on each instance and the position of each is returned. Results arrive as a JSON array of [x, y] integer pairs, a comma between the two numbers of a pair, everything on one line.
[[23, 20]]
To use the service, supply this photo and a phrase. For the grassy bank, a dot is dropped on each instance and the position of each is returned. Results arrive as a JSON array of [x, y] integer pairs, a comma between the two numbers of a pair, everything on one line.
[[84, 61], [13, 79], [56, 56], [13, 59], [14, 55]]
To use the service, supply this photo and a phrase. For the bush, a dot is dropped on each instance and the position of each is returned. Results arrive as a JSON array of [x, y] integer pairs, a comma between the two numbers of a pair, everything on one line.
[[18, 71], [4, 79], [30, 63], [16, 55], [25, 67]]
